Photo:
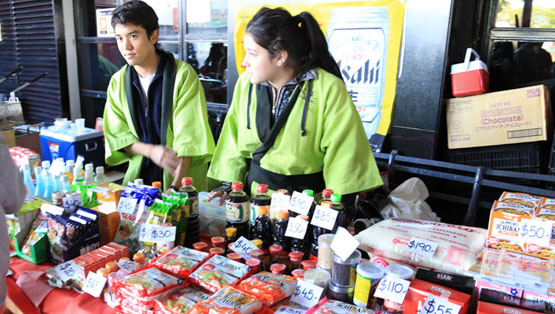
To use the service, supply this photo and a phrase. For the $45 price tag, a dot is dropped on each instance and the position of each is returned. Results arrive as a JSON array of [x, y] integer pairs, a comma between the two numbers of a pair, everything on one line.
[[94, 284], [243, 247], [422, 247], [392, 288], [307, 294], [156, 233], [438, 305], [324, 217], [535, 231], [300, 203]]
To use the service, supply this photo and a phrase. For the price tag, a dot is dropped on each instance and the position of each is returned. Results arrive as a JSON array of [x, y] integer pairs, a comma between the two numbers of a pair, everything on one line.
[[307, 294], [301, 203], [438, 305], [392, 288], [127, 205], [128, 266], [422, 247], [67, 270], [324, 217], [344, 244], [156, 233], [94, 284], [243, 247], [296, 228], [279, 202], [535, 231]]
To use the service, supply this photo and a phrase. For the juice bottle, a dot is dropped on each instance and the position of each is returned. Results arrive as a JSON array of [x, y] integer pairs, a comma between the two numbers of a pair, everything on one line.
[[262, 228], [341, 220], [192, 233], [237, 209], [261, 199], [301, 245], [279, 230]]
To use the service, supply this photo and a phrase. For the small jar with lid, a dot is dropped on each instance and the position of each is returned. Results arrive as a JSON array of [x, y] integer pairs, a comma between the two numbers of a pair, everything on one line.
[[368, 277], [295, 260], [278, 268], [400, 271]]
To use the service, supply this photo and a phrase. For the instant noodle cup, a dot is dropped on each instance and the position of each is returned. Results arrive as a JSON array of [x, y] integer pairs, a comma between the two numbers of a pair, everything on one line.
[[269, 287]]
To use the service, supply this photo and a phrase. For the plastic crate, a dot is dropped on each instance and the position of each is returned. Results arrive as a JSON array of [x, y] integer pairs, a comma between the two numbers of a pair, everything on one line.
[[523, 157]]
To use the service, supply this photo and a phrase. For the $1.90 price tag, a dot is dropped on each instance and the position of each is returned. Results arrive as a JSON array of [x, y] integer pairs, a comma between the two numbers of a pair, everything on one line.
[[67, 270], [156, 233], [535, 231], [243, 247], [392, 288], [307, 294], [438, 305], [422, 247], [324, 217], [127, 205], [94, 284], [300, 203], [296, 228]]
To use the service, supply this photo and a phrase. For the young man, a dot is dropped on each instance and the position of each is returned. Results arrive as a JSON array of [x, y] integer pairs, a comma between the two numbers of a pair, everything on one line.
[[155, 116]]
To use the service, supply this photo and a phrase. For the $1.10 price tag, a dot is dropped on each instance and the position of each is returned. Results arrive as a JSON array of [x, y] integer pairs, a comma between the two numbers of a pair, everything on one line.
[[307, 294], [324, 217], [422, 247], [243, 247], [94, 284], [301, 203], [67, 270], [156, 233], [127, 205], [392, 288], [535, 231], [438, 305], [296, 228]]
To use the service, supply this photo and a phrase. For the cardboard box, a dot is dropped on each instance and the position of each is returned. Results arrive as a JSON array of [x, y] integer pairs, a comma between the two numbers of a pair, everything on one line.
[[507, 117]]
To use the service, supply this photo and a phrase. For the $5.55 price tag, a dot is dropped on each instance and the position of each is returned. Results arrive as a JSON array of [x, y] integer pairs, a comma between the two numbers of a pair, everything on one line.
[[438, 305], [300, 203], [392, 288], [296, 228], [422, 247], [67, 270], [243, 247], [127, 205], [94, 284], [307, 294], [535, 231], [324, 217], [156, 233]]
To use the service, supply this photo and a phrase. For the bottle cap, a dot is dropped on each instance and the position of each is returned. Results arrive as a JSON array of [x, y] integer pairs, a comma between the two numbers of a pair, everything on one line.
[[263, 210], [262, 188], [326, 193], [283, 214], [230, 232], [187, 181], [336, 198], [157, 184], [308, 192], [237, 186]]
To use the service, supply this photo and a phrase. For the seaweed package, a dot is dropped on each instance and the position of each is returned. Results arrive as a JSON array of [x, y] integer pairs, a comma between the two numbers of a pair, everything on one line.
[[179, 261], [268, 287], [217, 272], [227, 300], [181, 301]]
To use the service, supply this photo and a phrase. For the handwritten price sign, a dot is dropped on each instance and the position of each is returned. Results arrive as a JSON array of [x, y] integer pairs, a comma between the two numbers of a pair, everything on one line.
[[94, 284], [127, 205], [324, 217], [392, 288], [437, 305], [422, 247], [301, 203], [243, 247], [296, 228], [156, 233], [535, 231], [307, 294]]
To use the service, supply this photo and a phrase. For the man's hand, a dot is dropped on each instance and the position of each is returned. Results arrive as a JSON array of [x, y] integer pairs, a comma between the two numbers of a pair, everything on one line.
[[164, 157]]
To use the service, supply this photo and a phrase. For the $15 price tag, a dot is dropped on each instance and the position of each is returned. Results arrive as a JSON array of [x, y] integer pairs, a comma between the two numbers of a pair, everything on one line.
[[296, 228], [422, 247], [300, 203], [438, 305], [127, 205], [67, 270], [324, 217], [392, 288], [243, 247], [307, 294], [94, 284], [156, 233], [537, 232]]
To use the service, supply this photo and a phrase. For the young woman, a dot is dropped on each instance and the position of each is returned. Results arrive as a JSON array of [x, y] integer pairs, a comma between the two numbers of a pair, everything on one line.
[[292, 123]]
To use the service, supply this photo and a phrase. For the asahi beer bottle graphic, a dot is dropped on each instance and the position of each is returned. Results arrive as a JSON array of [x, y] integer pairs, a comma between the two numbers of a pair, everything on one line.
[[357, 39]]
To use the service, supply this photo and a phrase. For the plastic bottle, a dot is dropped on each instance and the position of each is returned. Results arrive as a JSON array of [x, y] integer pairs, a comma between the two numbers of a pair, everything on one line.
[[237, 209], [341, 220], [192, 234], [318, 231], [66, 186], [261, 199], [40, 187], [100, 178], [301, 245], [28, 181], [262, 228], [279, 230]]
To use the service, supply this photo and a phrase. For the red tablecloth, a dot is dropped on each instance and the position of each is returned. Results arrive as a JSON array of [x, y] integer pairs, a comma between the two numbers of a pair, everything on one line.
[[59, 301]]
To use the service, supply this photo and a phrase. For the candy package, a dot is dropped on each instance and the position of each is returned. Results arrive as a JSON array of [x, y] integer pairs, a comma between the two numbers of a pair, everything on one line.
[[268, 287], [217, 272], [181, 301], [179, 261], [227, 300]]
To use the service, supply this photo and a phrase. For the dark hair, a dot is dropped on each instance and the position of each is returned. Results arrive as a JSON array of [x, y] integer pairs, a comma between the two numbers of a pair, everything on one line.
[[136, 13], [300, 36]]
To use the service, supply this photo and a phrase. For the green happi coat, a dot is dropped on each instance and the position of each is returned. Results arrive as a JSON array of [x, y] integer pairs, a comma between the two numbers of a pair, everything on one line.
[[334, 143], [184, 118]]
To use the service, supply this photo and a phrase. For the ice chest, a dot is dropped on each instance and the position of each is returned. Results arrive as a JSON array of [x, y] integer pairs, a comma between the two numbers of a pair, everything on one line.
[[469, 77], [67, 143]]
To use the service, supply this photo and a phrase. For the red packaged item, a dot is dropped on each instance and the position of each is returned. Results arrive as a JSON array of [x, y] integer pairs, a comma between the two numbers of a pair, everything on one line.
[[268, 287], [491, 308], [469, 77], [179, 261], [228, 300], [419, 291], [147, 283]]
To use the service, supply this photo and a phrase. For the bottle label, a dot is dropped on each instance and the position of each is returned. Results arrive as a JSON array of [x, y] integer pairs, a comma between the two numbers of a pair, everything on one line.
[[255, 210], [237, 212]]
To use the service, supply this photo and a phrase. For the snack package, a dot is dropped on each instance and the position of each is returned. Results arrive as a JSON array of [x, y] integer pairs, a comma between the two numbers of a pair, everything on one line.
[[268, 287], [288, 307], [491, 308], [458, 246], [338, 307], [217, 272], [179, 261], [147, 283], [419, 290], [181, 301], [227, 300]]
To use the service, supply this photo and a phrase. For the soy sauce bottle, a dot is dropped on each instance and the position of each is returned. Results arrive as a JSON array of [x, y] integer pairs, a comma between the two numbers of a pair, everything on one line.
[[262, 228], [279, 230], [261, 199], [237, 209], [317, 231]]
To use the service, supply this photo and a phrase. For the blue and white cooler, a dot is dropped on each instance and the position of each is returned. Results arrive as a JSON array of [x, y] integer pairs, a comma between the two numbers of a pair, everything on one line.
[[67, 142]]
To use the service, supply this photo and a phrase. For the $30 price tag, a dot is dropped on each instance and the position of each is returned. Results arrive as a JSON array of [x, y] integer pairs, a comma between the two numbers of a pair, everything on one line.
[[156, 233], [127, 205], [324, 217], [307, 294], [243, 247], [67, 270], [438, 305], [296, 228], [300, 203], [537, 232], [422, 247], [94, 284], [392, 288]]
